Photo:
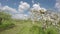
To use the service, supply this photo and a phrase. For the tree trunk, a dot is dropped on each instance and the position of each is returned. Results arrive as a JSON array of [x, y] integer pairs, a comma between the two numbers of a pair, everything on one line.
[[0, 21]]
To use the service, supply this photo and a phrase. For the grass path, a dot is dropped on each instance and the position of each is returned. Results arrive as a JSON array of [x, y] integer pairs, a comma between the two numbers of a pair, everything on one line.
[[17, 29], [14, 30], [26, 28]]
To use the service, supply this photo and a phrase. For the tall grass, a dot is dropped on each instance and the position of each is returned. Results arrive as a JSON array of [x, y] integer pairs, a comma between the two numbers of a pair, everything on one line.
[[6, 24]]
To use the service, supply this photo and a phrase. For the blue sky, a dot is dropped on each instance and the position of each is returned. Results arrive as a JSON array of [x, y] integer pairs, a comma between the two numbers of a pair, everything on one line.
[[20, 8], [15, 3]]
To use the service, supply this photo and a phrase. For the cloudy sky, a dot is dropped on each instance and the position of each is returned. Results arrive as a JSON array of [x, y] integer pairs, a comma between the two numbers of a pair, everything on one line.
[[20, 8]]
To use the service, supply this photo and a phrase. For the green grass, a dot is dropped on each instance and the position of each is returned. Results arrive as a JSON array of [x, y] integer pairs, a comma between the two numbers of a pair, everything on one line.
[[51, 30], [26, 27], [6, 24], [37, 30]]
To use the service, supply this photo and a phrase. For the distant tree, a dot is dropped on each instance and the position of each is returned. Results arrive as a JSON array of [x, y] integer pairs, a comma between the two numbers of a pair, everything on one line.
[[4, 16], [35, 14]]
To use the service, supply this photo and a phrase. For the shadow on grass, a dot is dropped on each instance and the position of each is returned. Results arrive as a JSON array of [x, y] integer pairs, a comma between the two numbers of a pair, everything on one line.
[[6, 27]]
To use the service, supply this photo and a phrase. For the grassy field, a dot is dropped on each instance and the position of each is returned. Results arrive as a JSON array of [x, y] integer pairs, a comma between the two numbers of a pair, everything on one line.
[[17, 29], [26, 27]]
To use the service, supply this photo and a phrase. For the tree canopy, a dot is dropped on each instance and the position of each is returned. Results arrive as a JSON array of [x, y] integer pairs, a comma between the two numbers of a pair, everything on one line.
[[4, 15]]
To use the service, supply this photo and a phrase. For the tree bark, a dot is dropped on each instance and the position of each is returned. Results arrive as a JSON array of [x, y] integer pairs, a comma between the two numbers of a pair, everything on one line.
[[0, 21]]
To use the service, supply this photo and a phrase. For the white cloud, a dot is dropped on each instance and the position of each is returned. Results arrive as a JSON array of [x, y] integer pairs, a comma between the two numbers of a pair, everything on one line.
[[23, 6], [57, 5], [9, 9], [20, 16], [36, 7]]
